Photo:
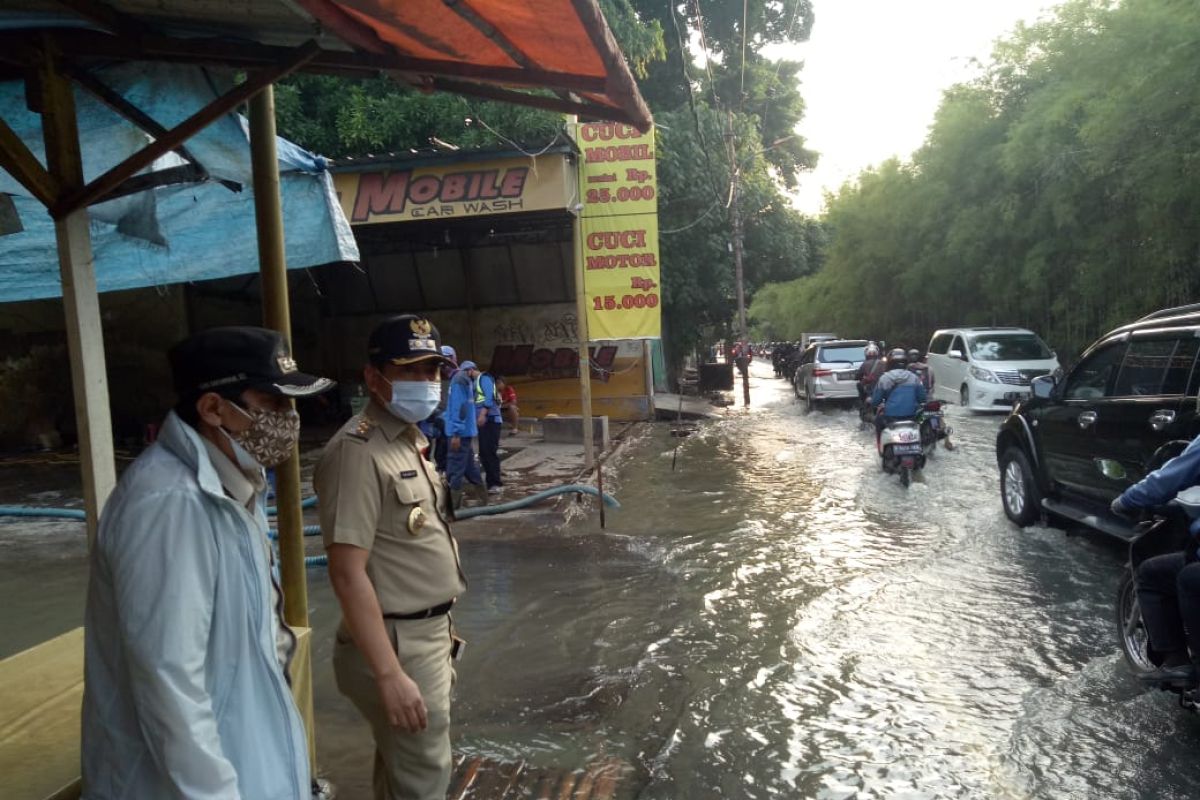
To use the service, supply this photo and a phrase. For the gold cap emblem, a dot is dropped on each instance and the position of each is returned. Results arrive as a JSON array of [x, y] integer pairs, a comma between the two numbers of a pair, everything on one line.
[[421, 327]]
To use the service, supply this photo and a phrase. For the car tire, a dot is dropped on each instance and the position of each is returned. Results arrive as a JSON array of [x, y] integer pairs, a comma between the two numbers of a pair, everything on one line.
[[1131, 631], [1019, 492], [964, 397]]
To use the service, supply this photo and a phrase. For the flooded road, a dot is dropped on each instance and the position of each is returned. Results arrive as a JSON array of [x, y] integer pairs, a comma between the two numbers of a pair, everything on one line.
[[775, 618]]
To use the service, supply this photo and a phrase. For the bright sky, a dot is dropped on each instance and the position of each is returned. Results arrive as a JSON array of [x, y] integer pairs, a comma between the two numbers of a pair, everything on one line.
[[874, 72]]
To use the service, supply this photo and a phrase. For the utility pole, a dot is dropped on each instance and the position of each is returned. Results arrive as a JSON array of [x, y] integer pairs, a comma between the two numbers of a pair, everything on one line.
[[735, 213], [585, 366]]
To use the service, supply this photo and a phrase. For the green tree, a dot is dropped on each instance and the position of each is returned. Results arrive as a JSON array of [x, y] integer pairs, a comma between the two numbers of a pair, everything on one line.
[[1059, 191], [696, 102]]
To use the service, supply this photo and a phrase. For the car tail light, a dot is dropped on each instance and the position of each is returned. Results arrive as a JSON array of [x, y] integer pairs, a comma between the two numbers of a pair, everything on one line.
[[822, 373]]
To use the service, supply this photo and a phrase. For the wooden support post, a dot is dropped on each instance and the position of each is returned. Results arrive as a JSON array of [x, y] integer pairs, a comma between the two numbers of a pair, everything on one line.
[[251, 87], [85, 336], [585, 366], [268, 214], [272, 266], [648, 363], [23, 165]]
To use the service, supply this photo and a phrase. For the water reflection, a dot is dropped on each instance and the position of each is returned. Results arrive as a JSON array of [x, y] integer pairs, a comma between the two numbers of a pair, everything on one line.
[[775, 618]]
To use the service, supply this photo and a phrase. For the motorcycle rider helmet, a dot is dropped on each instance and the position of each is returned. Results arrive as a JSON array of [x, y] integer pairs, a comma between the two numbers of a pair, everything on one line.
[[872, 351], [898, 358], [914, 355]]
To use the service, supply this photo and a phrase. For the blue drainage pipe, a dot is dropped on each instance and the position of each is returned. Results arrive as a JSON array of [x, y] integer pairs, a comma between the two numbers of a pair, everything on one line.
[[487, 511], [315, 530]]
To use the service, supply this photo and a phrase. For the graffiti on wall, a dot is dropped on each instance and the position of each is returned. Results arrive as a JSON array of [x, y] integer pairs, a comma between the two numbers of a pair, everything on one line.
[[527, 360]]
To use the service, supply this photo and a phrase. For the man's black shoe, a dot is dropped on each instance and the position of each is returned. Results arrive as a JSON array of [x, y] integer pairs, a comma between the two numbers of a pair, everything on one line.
[[1182, 676]]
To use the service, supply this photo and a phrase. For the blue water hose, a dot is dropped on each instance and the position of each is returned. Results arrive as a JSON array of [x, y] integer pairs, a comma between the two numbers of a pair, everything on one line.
[[31, 512], [485, 511], [48, 513], [504, 508]]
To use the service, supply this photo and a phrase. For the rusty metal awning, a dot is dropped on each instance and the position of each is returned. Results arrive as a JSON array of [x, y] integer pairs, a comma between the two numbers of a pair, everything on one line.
[[557, 55]]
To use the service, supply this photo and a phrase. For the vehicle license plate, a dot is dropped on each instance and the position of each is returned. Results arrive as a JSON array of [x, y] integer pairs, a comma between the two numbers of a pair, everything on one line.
[[906, 449], [1012, 397], [845, 376]]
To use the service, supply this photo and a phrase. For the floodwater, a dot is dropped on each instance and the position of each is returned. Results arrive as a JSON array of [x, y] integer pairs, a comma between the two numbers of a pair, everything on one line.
[[773, 618]]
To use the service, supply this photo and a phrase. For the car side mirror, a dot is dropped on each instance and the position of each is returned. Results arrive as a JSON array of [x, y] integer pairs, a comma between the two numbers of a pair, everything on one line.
[[1043, 386], [957, 354]]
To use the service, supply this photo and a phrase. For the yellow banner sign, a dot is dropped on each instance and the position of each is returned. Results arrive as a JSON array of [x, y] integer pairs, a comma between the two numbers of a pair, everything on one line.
[[619, 183], [503, 186]]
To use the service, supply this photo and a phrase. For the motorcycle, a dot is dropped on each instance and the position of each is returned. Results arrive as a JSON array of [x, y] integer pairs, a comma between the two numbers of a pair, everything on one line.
[[900, 449], [932, 421], [1163, 533]]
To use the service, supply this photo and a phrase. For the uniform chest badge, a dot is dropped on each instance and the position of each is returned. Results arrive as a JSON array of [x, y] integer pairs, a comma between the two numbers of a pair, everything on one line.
[[416, 520]]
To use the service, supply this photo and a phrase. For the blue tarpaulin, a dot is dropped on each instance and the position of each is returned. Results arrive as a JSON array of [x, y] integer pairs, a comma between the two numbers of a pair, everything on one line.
[[176, 233]]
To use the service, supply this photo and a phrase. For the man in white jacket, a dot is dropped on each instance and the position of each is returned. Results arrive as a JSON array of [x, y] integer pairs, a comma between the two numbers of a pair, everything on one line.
[[186, 692]]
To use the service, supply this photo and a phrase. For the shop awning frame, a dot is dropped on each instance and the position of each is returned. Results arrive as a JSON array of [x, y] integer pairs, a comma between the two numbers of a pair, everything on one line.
[[573, 54], [560, 50]]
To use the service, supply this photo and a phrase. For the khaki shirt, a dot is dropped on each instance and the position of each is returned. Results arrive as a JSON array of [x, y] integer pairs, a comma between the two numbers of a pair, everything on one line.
[[379, 493]]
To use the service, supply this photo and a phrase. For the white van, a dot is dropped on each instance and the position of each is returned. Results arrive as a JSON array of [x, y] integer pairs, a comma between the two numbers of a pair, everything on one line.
[[987, 369]]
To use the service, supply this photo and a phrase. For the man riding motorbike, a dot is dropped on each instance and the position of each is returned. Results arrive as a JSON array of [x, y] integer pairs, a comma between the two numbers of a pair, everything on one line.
[[898, 394], [920, 369], [869, 370], [1168, 586]]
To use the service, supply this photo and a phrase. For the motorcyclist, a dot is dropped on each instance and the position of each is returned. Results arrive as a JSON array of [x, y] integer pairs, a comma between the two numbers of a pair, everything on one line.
[[920, 369], [898, 394], [1168, 586], [869, 370]]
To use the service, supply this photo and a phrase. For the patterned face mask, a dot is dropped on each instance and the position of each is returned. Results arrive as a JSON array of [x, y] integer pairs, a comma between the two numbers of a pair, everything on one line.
[[271, 437]]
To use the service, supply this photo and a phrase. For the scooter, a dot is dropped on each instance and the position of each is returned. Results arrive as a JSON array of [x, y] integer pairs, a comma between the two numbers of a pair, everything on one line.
[[900, 449], [1163, 533], [934, 429], [866, 409]]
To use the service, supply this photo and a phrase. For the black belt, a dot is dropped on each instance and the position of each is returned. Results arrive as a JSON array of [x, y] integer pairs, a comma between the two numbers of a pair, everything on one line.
[[436, 611]]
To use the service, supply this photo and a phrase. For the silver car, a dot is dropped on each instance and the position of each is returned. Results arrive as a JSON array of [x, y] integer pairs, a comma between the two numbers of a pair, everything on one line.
[[827, 371]]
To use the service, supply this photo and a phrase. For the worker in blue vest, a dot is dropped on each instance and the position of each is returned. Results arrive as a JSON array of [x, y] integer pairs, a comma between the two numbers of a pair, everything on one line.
[[461, 430], [490, 421]]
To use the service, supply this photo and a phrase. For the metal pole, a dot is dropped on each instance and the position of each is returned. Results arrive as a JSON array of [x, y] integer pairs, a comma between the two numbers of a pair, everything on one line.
[[648, 358], [268, 214], [81, 303], [585, 367], [735, 212]]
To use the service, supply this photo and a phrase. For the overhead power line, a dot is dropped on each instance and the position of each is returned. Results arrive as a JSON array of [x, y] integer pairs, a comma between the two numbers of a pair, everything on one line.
[[687, 80]]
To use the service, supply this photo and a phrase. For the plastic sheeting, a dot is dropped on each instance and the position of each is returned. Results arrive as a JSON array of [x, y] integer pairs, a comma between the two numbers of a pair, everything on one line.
[[170, 234]]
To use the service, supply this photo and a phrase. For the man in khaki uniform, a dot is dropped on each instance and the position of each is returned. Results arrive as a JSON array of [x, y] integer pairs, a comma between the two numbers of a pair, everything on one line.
[[394, 564]]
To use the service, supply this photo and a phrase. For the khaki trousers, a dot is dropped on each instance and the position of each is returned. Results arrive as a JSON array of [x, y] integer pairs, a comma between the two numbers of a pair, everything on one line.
[[408, 766]]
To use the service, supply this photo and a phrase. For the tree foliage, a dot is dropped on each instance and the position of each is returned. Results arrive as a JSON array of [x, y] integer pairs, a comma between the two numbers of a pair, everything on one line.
[[698, 95], [1059, 190]]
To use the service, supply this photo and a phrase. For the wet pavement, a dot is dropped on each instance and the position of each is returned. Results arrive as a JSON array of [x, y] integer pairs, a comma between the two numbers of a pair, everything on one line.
[[775, 618]]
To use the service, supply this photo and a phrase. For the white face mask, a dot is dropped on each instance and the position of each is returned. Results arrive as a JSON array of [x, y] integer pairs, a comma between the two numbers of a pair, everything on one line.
[[414, 401]]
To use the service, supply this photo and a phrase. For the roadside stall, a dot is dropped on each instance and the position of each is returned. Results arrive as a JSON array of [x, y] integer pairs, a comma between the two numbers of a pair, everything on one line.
[[481, 241], [59, 50]]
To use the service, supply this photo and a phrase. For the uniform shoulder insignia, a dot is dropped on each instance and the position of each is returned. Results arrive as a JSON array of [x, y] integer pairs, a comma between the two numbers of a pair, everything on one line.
[[362, 430]]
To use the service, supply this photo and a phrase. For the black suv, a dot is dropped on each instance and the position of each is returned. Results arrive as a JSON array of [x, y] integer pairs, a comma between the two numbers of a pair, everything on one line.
[[1128, 406]]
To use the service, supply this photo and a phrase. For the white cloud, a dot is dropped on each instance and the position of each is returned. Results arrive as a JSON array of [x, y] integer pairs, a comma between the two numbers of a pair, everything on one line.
[[875, 71]]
